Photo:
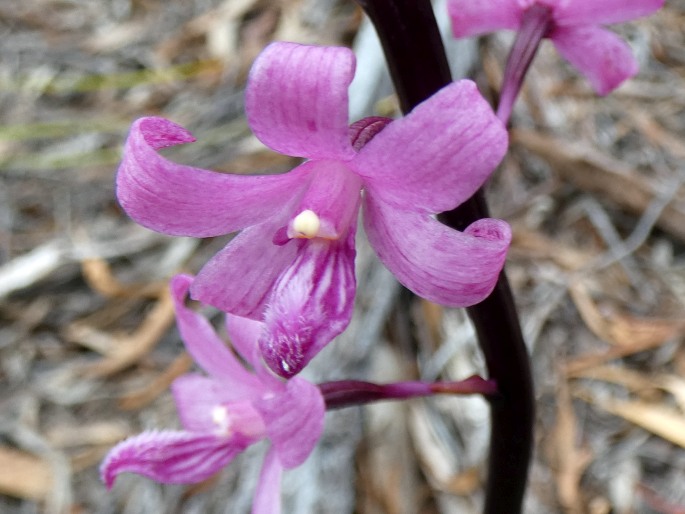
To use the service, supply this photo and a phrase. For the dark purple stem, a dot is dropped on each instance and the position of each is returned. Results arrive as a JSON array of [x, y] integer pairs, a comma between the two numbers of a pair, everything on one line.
[[418, 65], [346, 393]]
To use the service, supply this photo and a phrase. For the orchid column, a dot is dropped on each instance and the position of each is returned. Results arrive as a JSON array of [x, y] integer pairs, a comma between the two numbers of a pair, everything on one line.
[[418, 65]]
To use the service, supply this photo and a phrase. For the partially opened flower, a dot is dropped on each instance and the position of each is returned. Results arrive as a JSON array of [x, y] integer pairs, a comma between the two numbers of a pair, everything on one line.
[[292, 265], [224, 413], [574, 26]]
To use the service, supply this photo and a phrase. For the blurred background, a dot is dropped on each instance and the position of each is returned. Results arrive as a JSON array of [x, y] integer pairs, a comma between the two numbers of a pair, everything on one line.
[[592, 187]]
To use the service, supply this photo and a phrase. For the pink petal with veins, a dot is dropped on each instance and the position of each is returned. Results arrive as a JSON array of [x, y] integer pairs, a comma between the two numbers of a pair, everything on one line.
[[457, 269], [196, 396], [205, 346], [603, 57], [180, 200], [294, 421], [240, 277], [267, 496], [296, 100], [476, 17], [172, 457], [604, 12], [211, 405], [244, 334], [438, 155]]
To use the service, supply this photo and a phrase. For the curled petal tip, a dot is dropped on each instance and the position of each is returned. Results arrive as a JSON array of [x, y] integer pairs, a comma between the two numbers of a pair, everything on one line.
[[179, 285], [438, 263], [173, 457], [364, 130], [108, 467], [490, 229], [107, 476], [162, 133]]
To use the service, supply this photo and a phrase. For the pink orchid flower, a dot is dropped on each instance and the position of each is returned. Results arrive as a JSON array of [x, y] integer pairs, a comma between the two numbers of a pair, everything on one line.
[[292, 265], [572, 25], [224, 413]]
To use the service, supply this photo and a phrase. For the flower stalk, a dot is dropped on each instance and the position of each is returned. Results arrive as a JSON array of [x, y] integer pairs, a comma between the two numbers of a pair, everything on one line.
[[418, 66], [346, 393], [535, 23]]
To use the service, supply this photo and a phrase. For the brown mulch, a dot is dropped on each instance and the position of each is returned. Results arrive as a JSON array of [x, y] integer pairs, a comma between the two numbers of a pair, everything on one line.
[[593, 188]]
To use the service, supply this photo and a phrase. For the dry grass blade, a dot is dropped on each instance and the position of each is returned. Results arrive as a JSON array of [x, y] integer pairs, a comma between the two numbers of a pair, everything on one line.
[[31, 267], [567, 459], [577, 365], [674, 385], [92, 434], [127, 350], [98, 274], [145, 395], [535, 245], [633, 381], [603, 175], [621, 329], [23, 475], [656, 418]]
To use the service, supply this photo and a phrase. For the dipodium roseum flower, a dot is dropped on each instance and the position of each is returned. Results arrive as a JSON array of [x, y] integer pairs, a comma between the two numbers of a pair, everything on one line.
[[574, 26], [292, 265], [224, 413]]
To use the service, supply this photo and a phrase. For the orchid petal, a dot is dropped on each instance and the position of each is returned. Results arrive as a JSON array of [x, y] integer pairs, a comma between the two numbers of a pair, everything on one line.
[[457, 269], [244, 333], [197, 399], [311, 303], [594, 12], [603, 57], [203, 343], [333, 195], [172, 457], [239, 278], [181, 200], [297, 100], [267, 496], [196, 396], [473, 18], [437, 156], [294, 420]]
